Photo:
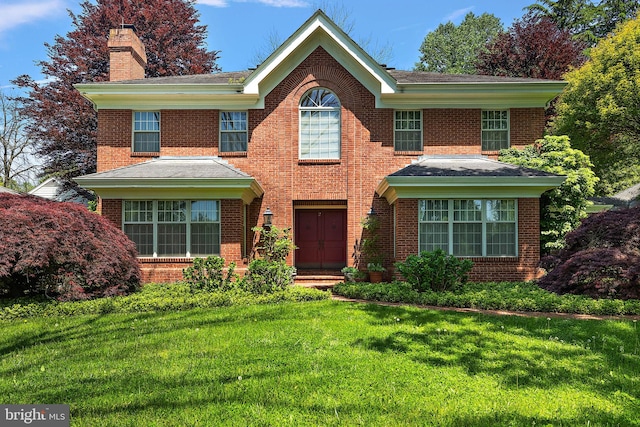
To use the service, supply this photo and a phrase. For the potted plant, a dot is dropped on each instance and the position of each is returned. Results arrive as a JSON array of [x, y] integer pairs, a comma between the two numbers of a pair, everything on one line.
[[376, 270]]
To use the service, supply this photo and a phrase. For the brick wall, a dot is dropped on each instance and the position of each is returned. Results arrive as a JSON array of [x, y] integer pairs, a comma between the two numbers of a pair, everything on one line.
[[522, 267], [367, 156]]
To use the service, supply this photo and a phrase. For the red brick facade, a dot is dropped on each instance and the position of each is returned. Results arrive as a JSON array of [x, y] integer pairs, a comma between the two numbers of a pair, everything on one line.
[[367, 156]]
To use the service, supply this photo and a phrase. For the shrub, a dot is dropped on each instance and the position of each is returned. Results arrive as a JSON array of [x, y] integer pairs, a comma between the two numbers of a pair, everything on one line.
[[62, 250], [601, 258], [434, 271], [264, 276], [270, 273], [208, 275], [352, 274]]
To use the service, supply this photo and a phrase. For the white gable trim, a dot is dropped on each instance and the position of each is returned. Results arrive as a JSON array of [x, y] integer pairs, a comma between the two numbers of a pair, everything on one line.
[[319, 30]]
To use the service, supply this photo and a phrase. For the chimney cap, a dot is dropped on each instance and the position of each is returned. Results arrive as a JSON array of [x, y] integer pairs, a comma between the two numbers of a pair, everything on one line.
[[129, 26]]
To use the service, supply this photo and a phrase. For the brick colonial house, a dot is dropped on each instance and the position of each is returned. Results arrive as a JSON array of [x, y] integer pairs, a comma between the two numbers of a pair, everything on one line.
[[319, 134]]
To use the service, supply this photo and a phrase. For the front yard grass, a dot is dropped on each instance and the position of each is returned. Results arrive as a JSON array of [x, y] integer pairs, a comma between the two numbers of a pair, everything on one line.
[[324, 363]]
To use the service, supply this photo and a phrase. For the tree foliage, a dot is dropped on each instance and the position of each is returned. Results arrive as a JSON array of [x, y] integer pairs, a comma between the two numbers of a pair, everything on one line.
[[62, 250], [454, 49], [584, 19], [19, 166], [600, 108], [64, 123], [562, 208], [532, 47], [601, 258]]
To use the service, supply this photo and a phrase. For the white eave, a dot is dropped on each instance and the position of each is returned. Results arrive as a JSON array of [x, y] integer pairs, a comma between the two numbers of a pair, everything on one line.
[[246, 189], [473, 95], [403, 187], [180, 96]]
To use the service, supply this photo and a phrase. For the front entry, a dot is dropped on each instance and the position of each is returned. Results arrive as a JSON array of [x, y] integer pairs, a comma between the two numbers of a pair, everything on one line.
[[321, 238]]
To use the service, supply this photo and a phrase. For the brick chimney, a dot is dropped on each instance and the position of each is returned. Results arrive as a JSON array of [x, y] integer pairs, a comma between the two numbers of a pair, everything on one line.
[[127, 58]]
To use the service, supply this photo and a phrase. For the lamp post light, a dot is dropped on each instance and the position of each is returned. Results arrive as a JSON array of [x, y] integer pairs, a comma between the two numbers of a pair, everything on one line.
[[268, 218]]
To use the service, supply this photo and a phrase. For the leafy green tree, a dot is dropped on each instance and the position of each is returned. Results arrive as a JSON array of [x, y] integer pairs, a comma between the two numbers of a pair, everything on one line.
[[585, 19], [454, 49], [562, 208], [573, 15], [600, 108]]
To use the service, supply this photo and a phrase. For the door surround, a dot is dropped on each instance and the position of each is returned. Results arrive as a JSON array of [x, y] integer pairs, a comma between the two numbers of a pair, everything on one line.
[[320, 233]]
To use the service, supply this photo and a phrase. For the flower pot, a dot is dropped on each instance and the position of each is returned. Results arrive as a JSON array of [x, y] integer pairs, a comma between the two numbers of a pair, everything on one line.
[[375, 276]]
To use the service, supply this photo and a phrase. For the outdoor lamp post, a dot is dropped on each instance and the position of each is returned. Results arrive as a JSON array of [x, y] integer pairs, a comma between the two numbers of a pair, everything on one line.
[[268, 217]]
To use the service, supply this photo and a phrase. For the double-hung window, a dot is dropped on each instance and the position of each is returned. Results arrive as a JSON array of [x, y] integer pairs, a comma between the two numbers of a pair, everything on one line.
[[468, 227], [408, 131], [319, 125], [173, 228], [495, 130], [146, 131], [233, 131]]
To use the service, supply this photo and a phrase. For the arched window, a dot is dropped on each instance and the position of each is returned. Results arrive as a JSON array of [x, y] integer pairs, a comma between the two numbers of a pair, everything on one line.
[[319, 125]]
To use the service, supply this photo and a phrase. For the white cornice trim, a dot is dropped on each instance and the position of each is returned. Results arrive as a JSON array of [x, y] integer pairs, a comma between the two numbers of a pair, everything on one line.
[[393, 188], [246, 189]]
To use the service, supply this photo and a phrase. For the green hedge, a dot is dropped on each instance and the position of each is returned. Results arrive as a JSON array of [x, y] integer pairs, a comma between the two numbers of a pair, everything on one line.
[[516, 296], [152, 297]]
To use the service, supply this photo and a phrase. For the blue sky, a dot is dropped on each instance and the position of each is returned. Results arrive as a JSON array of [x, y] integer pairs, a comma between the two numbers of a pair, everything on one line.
[[240, 28]]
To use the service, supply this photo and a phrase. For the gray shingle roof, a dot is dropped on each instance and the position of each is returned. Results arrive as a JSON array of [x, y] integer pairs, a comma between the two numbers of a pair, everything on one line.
[[401, 76], [176, 168], [465, 166], [427, 77]]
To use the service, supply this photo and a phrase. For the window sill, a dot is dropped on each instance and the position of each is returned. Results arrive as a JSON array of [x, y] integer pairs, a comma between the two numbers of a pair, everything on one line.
[[145, 154], [319, 161], [408, 153], [490, 152], [162, 260], [232, 153]]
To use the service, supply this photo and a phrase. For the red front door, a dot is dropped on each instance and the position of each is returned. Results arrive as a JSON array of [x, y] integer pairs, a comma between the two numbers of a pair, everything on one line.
[[321, 238]]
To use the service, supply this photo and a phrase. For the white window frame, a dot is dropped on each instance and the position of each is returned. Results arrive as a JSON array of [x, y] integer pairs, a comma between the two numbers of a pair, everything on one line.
[[188, 221], [397, 131], [450, 220], [244, 131], [144, 131], [320, 153], [486, 128]]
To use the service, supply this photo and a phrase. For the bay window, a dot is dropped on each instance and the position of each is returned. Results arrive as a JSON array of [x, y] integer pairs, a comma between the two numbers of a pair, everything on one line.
[[468, 228], [173, 228]]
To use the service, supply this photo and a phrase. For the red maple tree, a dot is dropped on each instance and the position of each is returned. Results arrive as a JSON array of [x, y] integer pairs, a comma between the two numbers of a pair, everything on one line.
[[62, 121], [532, 47]]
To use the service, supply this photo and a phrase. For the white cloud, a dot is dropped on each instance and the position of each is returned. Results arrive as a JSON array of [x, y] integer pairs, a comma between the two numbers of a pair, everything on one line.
[[273, 3], [457, 14], [214, 3], [284, 3], [14, 15]]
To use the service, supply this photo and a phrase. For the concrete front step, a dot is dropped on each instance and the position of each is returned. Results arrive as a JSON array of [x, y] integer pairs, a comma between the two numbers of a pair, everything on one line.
[[319, 281]]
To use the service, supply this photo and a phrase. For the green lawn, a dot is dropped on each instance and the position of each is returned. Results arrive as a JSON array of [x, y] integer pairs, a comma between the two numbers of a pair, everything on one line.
[[324, 363]]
